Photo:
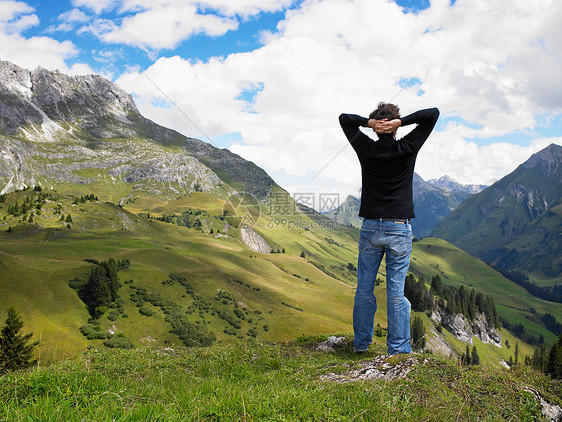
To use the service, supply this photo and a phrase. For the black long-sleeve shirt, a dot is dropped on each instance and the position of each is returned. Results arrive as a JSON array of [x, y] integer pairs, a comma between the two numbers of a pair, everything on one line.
[[387, 165]]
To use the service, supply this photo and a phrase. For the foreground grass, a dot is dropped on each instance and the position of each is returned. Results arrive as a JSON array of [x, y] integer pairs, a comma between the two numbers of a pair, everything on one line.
[[250, 381]]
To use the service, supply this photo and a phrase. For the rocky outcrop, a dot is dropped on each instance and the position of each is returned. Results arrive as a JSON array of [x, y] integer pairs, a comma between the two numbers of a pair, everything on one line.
[[59, 129], [465, 330], [551, 412], [383, 367], [254, 241], [331, 344]]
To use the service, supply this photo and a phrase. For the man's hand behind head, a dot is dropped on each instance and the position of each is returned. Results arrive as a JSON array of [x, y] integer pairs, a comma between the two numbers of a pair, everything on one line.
[[385, 125]]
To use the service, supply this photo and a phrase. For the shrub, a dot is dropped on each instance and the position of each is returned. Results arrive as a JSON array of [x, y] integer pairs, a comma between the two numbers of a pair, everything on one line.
[[146, 311], [93, 332], [113, 315], [118, 342]]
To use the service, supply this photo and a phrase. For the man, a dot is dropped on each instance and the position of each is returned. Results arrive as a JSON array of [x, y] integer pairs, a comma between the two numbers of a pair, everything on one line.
[[387, 169]]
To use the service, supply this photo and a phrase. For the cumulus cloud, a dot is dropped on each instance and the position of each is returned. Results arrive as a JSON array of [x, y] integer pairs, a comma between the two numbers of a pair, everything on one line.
[[163, 24], [69, 20], [490, 64], [16, 17], [74, 15], [163, 27], [97, 6]]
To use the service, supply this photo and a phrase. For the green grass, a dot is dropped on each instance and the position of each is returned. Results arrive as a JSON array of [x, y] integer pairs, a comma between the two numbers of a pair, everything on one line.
[[41, 258], [252, 381]]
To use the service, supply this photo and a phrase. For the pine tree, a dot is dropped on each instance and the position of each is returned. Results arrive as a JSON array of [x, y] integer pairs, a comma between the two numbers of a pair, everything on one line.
[[15, 352], [472, 305], [554, 364], [436, 285], [475, 358], [418, 334], [516, 353], [466, 357], [68, 219]]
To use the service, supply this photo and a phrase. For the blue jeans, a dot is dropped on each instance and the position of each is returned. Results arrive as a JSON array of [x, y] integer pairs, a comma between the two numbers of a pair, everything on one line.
[[377, 238]]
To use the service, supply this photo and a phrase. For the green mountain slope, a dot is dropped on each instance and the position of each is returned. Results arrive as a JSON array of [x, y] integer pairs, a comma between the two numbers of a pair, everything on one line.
[[515, 223], [278, 296], [283, 294], [456, 268]]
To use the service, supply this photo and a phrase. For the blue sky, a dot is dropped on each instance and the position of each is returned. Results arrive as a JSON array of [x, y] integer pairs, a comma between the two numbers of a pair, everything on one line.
[[268, 78]]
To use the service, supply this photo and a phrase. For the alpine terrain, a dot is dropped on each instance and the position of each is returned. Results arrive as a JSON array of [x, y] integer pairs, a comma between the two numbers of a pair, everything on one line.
[[516, 223], [118, 232]]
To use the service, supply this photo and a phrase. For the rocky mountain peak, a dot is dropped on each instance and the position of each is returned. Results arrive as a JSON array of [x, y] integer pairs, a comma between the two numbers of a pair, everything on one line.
[[450, 184], [548, 158], [15, 79], [44, 99], [420, 185], [52, 87], [85, 130]]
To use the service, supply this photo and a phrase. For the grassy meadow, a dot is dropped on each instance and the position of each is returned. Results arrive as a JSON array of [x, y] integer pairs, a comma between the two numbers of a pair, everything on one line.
[[271, 297]]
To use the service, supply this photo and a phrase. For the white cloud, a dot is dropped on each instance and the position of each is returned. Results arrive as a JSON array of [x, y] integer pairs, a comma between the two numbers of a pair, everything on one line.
[[163, 24], [69, 20], [466, 162], [493, 64], [165, 27], [98, 6], [16, 17], [10, 9], [245, 8], [74, 15]]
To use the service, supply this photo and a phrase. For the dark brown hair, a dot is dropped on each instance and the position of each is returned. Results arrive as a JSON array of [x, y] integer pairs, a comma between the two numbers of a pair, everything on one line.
[[385, 111]]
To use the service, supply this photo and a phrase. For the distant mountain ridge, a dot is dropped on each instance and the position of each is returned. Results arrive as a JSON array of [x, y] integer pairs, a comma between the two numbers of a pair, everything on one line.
[[58, 130], [516, 223], [449, 183], [431, 202]]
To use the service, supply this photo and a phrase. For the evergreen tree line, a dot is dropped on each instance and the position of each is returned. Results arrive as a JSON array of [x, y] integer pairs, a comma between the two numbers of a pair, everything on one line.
[[518, 330], [547, 320], [101, 287], [16, 350], [550, 323], [552, 294], [455, 301], [548, 361], [29, 203], [83, 199]]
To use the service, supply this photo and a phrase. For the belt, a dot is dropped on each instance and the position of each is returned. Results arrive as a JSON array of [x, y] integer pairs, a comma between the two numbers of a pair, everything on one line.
[[393, 220]]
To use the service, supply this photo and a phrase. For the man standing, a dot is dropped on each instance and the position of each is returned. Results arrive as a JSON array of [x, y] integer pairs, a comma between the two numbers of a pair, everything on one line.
[[387, 169]]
